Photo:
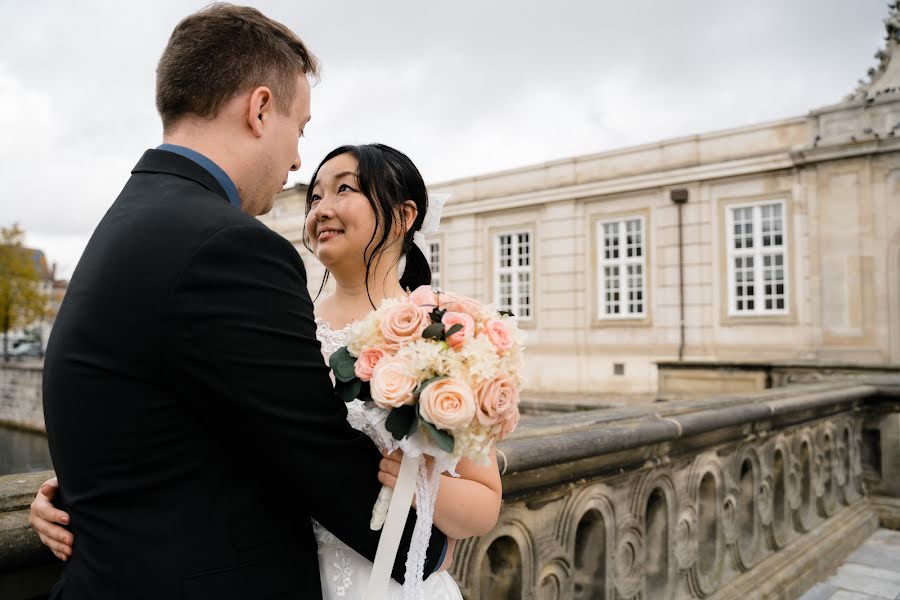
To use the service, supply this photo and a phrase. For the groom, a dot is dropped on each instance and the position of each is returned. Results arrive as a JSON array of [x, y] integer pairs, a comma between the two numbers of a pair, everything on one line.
[[183, 382]]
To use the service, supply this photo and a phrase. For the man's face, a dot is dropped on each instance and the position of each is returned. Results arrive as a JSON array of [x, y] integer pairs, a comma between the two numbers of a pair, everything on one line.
[[282, 155]]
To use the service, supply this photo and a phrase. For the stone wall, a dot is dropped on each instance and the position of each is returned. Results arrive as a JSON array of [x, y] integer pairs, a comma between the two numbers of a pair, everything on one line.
[[755, 496], [21, 403], [746, 496]]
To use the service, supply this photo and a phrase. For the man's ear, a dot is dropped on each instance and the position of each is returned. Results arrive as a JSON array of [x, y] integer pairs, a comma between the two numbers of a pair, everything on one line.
[[260, 109]]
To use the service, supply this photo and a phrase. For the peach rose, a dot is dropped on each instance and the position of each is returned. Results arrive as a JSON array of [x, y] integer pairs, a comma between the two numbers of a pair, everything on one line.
[[462, 336], [507, 425], [495, 399], [498, 333], [447, 404], [391, 385], [457, 303], [366, 361], [423, 297], [402, 323]]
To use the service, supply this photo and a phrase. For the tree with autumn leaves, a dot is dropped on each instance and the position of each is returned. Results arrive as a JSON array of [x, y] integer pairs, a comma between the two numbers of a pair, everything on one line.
[[21, 300]]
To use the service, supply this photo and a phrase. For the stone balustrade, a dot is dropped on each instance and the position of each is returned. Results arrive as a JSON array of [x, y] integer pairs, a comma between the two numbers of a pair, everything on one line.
[[754, 496], [751, 496]]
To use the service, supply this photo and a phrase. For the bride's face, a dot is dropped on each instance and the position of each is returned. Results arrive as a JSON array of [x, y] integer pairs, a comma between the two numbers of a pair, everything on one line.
[[340, 222]]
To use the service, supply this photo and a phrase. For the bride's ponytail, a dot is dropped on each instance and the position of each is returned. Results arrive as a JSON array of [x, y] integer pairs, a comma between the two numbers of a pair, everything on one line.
[[417, 271]]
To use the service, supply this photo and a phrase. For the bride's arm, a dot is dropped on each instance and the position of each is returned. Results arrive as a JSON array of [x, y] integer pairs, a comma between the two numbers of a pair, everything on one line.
[[467, 505]]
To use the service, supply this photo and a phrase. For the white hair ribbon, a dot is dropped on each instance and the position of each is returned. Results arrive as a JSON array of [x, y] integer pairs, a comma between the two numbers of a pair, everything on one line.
[[432, 221]]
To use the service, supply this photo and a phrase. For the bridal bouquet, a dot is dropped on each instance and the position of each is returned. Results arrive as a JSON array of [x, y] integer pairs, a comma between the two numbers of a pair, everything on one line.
[[444, 369], [439, 374]]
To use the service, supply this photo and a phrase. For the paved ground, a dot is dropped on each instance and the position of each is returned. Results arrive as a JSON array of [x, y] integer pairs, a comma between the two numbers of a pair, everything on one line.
[[873, 571]]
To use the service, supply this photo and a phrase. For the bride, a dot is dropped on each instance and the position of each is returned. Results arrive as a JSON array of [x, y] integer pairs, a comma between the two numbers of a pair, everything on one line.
[[364, 206]]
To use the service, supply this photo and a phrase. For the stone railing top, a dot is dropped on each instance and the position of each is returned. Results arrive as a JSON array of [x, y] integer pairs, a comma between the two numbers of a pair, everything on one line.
[[23, 366], [606, 434], [818, 366], [17, 491]]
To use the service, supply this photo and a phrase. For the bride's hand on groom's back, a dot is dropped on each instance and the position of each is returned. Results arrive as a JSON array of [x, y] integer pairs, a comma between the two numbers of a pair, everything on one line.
[[48, 521]]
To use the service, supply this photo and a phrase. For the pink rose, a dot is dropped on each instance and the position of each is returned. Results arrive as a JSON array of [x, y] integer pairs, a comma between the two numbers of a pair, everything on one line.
[[423, 297], [457, 303], [402, 323], [447, 404], [507, 425], [366, 362], [391, 385], [495, 399], [462, 336], [498, 333]]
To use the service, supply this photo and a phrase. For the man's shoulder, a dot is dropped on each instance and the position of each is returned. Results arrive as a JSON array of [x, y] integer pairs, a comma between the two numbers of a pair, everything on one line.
[[187, 208]]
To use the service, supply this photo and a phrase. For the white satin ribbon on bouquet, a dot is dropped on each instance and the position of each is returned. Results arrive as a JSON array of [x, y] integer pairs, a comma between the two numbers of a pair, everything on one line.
[[397, 514]]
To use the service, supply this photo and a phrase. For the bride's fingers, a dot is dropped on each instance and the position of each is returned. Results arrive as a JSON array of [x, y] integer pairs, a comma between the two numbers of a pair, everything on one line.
[[387, 479], [395, 455], [390, 467]]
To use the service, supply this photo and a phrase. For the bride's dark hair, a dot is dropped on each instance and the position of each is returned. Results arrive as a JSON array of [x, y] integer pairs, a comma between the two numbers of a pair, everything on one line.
[[387, 178]]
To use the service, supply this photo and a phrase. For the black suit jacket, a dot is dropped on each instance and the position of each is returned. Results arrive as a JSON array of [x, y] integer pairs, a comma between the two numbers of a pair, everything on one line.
[[190, 416]]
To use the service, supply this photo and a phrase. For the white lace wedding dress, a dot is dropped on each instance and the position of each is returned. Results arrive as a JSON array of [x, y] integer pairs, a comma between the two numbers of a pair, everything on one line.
[[343, 571]]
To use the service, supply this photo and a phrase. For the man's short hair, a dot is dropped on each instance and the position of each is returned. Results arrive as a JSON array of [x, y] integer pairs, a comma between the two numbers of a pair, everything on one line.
[[224, 50]]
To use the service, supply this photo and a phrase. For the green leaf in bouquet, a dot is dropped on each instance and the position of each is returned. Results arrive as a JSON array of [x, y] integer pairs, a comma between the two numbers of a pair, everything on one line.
[[365, 392], [401, 421], [437, 315], [452, 330], [505, 313], [443, 439], [343, 365], [348, 390], [435, 331]]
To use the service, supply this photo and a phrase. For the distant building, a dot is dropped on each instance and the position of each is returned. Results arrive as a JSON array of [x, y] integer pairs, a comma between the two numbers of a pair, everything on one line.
[[790, 246]]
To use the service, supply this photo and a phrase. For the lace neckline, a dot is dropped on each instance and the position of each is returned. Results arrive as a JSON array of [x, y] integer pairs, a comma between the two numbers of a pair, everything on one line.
[[325, 326], [330, 339]]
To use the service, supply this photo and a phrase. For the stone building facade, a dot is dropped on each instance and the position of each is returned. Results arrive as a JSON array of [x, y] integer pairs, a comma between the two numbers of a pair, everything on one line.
[[788, 247]]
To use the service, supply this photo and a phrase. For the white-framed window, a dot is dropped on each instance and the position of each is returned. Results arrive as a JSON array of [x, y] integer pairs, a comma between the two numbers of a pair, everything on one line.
[[434, 261], [757, 259], [513, 267], [622, 264]]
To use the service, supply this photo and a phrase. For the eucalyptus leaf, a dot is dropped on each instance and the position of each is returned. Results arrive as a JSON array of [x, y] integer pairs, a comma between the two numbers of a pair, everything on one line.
[[343, 365], [401, 421], [435, 331], [365, 392], [452, 330], [348, 390], [443, 439]]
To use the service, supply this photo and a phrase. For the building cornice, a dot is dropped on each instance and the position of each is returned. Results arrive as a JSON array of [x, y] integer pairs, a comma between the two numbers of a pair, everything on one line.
[[659, 179]]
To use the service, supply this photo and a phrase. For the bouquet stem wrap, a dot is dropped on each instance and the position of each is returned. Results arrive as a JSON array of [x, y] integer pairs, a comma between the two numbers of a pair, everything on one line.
[[379, 511], [397, 513]]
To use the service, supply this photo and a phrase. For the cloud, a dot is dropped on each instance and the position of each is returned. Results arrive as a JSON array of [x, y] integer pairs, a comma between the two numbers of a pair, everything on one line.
[[464, 88]]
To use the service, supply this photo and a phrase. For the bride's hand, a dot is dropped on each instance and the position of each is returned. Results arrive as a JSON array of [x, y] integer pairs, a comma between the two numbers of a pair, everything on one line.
[[47, 520], [389, 468]]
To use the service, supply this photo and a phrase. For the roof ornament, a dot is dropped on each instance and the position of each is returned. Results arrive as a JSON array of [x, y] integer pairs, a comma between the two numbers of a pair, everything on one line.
[[884, 79]]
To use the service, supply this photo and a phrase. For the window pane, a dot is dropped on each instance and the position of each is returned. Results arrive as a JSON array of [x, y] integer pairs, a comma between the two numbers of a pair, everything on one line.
[[743, 227], [524, 249], [773, 274], [633, 240], [611, 240], [743, 289], [611, 289]]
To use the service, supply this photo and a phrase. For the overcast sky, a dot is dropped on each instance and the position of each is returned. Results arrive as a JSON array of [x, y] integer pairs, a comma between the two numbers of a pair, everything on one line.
[[464, 87]]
